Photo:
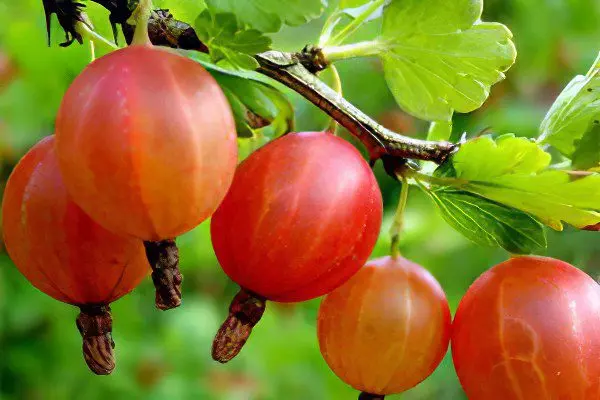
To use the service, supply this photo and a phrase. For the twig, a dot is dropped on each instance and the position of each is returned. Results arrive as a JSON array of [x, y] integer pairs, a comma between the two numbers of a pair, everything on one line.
[[287, 69]]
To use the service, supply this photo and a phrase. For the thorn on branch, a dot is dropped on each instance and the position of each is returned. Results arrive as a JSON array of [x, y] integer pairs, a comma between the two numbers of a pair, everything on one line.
[[68, 13], [163, 28], [120, 11]]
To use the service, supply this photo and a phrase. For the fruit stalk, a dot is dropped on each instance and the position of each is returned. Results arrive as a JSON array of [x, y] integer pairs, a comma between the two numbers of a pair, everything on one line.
[[140, 17], [370, 396], [245, 311], [163, 257], [95, 325]]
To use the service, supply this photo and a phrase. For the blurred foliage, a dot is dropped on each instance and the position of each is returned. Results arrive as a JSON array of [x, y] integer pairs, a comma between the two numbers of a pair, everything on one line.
[[167, 355]]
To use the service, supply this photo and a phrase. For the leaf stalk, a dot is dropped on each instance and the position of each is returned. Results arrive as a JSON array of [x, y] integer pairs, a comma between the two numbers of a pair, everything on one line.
[[356, 23]]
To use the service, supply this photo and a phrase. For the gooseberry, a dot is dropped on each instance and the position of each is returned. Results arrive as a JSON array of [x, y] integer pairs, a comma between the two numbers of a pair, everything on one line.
[[147, 146], [67, 255], [301, 217], [386, 329], [529, 328]]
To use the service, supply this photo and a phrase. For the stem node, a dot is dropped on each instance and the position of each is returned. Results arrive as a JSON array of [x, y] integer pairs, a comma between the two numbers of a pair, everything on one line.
[[245, 311]]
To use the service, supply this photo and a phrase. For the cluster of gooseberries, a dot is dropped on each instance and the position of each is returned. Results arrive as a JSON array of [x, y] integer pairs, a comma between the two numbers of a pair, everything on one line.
[[145, 150]]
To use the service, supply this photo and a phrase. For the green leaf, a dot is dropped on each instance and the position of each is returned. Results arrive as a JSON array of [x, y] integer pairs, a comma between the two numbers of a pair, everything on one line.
[[587, 153], [573, 112], [184, 10], [347, 19], [514, 171], [352, 3], [258, 108], [229, 41], [269, 15], [483, 159], [439, 57], [354, 9], [489, 223]]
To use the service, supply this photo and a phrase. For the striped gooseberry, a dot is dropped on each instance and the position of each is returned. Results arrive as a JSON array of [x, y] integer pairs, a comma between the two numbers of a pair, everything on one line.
[[301, 217], [67, 255], [386, 329], [529, 328]]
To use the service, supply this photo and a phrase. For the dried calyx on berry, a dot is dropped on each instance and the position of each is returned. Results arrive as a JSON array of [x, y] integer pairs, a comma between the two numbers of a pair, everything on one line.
[[245, 311], [95, 325], [163, 257]]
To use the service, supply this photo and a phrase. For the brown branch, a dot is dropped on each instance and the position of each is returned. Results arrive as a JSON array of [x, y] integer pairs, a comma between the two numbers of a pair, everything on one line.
[[295, 70], [289, 70]]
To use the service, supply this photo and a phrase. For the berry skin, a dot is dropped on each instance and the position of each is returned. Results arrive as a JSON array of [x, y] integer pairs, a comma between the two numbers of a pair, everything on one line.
[[147, 146], [529, 328], [62, 251], [146, 142], [301, 217], [386, 329]]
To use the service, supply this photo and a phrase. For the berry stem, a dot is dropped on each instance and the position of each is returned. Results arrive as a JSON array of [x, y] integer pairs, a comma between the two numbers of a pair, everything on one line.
[[370, 396], [398, 223], [141, 16], [245, 311], [95, 325], [354, 50], [333, 125], [356, 23], [94, 37], [163, 257]]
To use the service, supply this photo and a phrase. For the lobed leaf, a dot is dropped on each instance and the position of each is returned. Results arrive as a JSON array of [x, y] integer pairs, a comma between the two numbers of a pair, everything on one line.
[[230, 42], [439, 57], [489, 223], [587, 153], [355, 8], [352, 3], [514, 171], [186, 10], [574, 112], [270, 15]]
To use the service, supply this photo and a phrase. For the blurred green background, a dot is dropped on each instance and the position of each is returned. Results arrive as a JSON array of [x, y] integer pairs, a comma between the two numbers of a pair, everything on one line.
[[166, 355]]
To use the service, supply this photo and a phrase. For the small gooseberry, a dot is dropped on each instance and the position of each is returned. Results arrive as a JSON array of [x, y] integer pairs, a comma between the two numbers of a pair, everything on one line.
[[386, 329]]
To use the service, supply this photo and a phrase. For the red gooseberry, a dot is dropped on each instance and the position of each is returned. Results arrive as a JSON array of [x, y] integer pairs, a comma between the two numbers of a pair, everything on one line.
[[301, 217], [529, 328], [386, 329], [67, 255], [147, 146]]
